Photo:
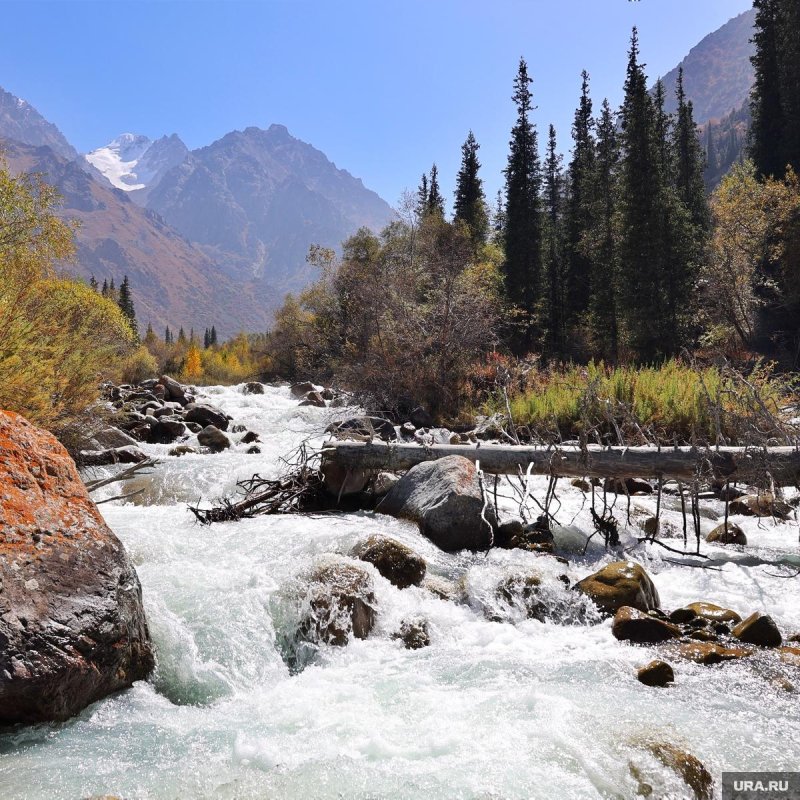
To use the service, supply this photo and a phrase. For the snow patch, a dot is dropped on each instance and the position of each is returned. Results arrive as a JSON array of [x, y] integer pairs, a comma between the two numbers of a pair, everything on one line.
[[120, 161]]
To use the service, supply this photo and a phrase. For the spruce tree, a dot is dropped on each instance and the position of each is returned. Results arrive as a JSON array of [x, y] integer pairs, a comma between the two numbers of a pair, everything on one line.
[[602, 243], [104, 290], [112, 291], [555, 310], [766, 132], [206, 339], [93, 283], [167, 335], [789, 77], [470, 202], [213, 336], [581, 196], [182, 336], [499, 219], [125, 302], [422, 196], [523, 227], [435, 198]]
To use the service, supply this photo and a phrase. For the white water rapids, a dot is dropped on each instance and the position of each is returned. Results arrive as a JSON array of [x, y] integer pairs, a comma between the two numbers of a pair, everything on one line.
[[515, 709]]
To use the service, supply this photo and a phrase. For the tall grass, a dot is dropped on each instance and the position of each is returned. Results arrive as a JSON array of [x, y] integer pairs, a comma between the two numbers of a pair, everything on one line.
[[670, 402]]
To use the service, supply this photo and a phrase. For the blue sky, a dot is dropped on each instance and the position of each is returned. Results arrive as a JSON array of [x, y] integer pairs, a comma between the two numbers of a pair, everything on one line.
[[383, 88]]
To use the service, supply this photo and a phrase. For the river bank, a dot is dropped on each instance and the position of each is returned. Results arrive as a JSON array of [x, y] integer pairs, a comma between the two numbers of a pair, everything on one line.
[[511, 709]]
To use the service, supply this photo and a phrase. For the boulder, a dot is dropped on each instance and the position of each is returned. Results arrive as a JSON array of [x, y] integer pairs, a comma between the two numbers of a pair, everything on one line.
[[710, 653], [166, 431], [758, 629], [173, 390], [205, 415], [690, 768], [622, 583], [313, 399], [363, 428], [253, 450], [761, 505], [523, 592], [341, 482], [182, 450], [110, 438], [632, 625], [444, 498], [301, 389], [214, 439], [253, 387], [72, 625], [249, 438], [627, 486], [129, 454], [341, 603], [399, 564], [727, 534], [656, 673], [420, 418], [413, 633], [582, 484], [443, 589], [383, 482], [713, 613]]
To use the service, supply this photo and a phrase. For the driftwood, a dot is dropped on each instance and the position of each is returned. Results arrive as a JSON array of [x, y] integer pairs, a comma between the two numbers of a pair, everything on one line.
[[780, 466], [124, 475]]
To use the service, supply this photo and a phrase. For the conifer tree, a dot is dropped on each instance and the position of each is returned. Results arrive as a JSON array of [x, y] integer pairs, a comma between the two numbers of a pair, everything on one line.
[[112, 291], [93, 283], [789, 76], [523, 227], [581, 195], [435, 198], [766, 132], [601, 242], [206, 339], [125, 302], [422, 196], [182, 336], [470, 202], [499, 219], [213, 336], [555, 311], [168, 335], [104, 290]]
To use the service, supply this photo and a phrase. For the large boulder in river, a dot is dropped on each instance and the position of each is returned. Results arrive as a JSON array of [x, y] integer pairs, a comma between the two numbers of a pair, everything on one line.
[[758, 629], [397, 563], [72, 627], [204, 414], [622, 583], [444, 498], [253, 387], [173, 390]]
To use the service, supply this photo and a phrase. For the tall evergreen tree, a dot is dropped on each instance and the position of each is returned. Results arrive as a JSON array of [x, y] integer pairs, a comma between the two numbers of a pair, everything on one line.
[[580, 208], [601, 241], [555, 308], [206, 339], [789, 76], [435, 198], [213, 336], [470, 201], [104, 290], [93, 283], [523, 227], [182, 336], [125, 302], [499, 219], [422, 196], [168, 336], [112, 291], [766, 132]]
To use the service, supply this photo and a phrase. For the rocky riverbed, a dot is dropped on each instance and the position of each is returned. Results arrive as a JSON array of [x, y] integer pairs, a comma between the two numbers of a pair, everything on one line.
[[485, 676]]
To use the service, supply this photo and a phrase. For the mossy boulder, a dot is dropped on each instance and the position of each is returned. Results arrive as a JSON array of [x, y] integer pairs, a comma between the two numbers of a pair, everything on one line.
[[396, 562]]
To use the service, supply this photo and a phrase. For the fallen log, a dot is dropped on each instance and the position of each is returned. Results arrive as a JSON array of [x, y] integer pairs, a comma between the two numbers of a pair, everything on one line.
[[759, 466]]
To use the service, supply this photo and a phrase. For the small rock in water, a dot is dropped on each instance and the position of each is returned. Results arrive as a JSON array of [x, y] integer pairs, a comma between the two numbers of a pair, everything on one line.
[[713, 613], [632, 625], [383, 483], [582, 484], [399, 564], [214, 439], [413, 633], [730, 534], [622, 583], [710, 653], [758, 629], [690, 768], [253, 388], [656, 673], [249, 437], [182, 450], [301, 389], [206, 415], [761, 505], [253, 450], [313, 399], [627, 486]]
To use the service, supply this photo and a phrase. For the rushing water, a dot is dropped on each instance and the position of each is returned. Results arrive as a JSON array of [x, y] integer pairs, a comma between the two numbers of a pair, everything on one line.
[[514, 709]]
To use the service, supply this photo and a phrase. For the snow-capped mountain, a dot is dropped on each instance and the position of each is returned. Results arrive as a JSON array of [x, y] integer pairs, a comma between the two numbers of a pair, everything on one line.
[[135, 163]]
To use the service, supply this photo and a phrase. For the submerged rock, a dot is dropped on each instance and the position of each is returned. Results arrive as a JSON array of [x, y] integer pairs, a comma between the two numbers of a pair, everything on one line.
[[761, 505], [72, 626], [710, 653], [622, 583], [444, 498], [656, 673], [340, 603], [690, 768], [413, 633], [313, 399], [399, 564]]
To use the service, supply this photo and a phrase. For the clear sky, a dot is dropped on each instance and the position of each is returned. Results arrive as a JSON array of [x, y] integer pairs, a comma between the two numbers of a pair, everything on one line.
[[383, 87]]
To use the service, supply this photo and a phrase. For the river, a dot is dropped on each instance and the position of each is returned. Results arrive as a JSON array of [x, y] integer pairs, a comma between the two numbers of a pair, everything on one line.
[[491, 710]]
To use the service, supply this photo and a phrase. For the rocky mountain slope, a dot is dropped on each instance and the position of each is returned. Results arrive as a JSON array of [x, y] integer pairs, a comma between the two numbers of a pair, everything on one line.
[[717, 72], [173, 281], [256, 199]]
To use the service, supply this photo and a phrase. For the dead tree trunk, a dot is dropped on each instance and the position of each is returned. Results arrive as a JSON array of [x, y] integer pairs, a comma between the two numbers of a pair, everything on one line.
[[778, 465]]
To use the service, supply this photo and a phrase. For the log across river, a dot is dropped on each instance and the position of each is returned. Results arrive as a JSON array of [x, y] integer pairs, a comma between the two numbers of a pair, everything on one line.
[[780, 465]]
